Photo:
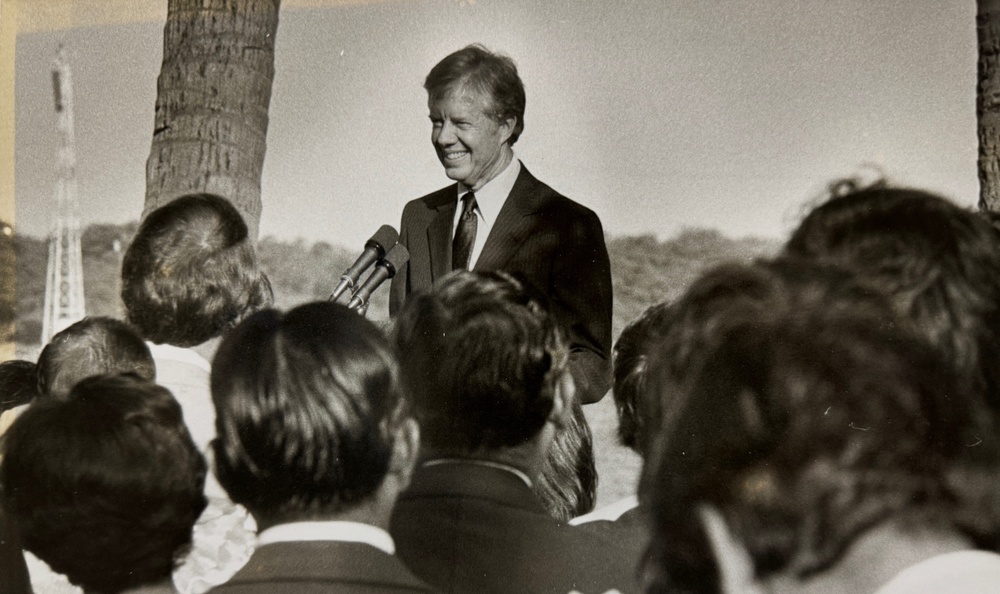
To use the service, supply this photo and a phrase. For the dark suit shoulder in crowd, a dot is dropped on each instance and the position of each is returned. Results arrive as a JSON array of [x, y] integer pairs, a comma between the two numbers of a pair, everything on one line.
[[465, 528], [548, 240], [322, 567], [628, 534], [13, 570]]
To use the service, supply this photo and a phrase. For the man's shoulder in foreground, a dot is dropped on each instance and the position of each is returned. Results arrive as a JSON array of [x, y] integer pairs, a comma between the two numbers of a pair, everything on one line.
[[430, 203], [478, 529], [322, 567]]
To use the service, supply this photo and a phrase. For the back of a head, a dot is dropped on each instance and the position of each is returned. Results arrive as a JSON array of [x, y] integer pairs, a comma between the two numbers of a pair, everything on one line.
[[92, 346], [936, 261], [306, 406], [105, 486], [631, 371], [480, 360], [804, 413], [191, 272], [18, 383]]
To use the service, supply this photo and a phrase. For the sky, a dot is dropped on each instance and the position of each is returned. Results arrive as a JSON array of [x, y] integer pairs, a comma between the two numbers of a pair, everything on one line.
[[658, 114]]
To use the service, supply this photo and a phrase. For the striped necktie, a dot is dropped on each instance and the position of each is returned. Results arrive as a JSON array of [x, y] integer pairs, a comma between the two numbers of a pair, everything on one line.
[[465, 234]]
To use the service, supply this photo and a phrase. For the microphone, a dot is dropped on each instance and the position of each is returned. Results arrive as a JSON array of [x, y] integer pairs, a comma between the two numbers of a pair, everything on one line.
[[375, 249], [384, 270]]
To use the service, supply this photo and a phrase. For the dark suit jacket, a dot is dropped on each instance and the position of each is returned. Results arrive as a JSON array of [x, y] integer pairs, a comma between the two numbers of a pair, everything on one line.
[[13, 569], [471, 529], [551, 241], [322, 567], [628, 534]]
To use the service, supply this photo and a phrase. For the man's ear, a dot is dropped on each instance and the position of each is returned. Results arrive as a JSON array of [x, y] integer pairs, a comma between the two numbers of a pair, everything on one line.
[[507, 126], [562, 400], [405, 448], [736, 573]]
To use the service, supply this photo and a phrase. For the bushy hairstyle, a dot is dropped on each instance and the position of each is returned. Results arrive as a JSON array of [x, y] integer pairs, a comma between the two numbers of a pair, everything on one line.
[[105, 486], [18, 383], [938, 264], [631, 370], [191, 272], [306, 405], [491, 75], [795, 403], [567, 484], [92, 346], [481, 358]]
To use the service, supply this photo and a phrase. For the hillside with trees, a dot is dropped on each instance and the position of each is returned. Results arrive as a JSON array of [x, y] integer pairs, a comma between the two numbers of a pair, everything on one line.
[[645, 271]]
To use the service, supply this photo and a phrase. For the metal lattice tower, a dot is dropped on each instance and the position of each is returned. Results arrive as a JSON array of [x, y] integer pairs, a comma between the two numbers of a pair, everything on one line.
[[64, 276]]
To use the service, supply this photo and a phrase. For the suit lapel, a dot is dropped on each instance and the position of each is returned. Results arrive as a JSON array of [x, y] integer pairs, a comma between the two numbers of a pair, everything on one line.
[[512, 226], [439, 232]]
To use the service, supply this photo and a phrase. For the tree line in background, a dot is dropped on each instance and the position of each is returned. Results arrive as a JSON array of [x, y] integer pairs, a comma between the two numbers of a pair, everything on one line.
[[644, 270]]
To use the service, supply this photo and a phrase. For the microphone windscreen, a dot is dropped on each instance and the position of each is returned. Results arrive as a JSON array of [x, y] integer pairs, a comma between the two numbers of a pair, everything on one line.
[[386, 237], [396, 257]]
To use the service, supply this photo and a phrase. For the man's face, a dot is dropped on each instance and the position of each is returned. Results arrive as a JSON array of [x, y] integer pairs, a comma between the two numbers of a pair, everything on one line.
[[470, 144]]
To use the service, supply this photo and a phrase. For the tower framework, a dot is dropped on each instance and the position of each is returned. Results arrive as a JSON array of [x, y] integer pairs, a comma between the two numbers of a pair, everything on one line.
[[64, 303]]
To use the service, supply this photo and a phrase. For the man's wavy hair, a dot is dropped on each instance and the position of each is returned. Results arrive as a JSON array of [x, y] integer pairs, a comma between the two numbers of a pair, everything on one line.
[[306, 406], [105, 486], [481, 358], [937, 262], [567, 484], [794, 401], [93, 346], [490, 75], [191, 272]]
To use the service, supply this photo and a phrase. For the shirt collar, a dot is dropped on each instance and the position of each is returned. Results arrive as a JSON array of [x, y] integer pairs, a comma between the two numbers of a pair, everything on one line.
[[475, 462], [490, 197], [170, 352], [339, 531]]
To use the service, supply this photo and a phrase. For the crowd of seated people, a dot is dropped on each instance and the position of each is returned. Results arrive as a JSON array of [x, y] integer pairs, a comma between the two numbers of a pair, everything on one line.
[[824, 421]]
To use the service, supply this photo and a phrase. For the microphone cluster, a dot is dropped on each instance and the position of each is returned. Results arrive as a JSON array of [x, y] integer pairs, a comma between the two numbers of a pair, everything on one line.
[[387, 255]]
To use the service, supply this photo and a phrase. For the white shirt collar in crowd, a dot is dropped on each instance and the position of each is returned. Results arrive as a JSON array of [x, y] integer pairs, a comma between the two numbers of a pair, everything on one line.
[[338, 531], [488, 463]]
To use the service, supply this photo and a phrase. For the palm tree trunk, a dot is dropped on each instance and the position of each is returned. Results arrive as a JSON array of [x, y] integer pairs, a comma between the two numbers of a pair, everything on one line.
[[212, 99], [988, 102]]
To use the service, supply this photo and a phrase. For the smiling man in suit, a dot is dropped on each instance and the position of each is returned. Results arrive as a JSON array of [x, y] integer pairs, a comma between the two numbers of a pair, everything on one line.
[[497, 216]]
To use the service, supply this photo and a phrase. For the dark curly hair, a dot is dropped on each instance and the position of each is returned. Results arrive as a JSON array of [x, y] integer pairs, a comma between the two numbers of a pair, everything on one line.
[[191, 272], [793, 400], [936, 261], [105, 486], [480, 359]]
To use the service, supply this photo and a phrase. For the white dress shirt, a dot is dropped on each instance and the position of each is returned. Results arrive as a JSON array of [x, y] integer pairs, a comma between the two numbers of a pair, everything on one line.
[[331, 531], [489, 201]]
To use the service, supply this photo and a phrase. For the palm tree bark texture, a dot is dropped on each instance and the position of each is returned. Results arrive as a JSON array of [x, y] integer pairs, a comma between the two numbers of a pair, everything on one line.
[[988, 102], [212, 100]]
